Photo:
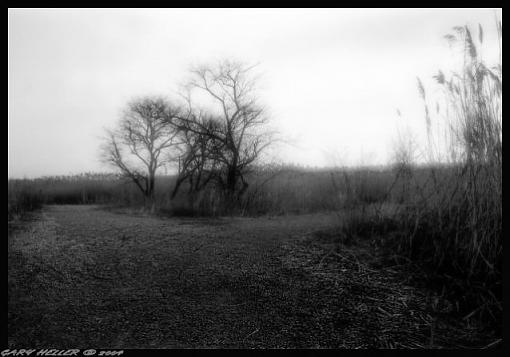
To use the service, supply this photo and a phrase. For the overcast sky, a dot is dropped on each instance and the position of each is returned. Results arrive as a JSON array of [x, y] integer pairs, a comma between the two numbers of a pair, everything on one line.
[[332, 78]]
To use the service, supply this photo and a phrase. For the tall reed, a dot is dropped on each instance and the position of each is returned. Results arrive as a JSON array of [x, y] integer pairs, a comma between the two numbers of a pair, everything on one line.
[[452, 223]]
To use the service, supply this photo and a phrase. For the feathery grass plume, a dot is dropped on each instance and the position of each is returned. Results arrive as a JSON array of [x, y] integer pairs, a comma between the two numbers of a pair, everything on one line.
[[451, 39], [421, 88], [470, 46], [439, 77], [422, 92]]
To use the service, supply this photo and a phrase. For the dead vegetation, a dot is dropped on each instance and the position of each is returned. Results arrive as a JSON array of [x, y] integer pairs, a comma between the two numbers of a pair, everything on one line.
[[450, 220]]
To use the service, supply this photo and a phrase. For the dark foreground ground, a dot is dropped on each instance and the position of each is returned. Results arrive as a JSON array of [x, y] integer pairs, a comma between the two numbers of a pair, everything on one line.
[[82, 277]]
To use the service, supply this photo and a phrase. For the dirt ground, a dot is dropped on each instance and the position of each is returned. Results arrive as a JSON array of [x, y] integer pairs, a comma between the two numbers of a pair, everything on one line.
[[82, 276]]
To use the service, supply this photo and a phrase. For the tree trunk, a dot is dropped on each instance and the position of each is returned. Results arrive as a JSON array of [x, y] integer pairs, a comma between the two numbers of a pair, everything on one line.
[[230, 193], [176, 188], [151, 202]]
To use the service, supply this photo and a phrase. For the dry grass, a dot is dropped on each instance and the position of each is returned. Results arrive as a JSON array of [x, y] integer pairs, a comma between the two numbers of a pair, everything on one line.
[[23, 197], [272, 190], [450, 218]]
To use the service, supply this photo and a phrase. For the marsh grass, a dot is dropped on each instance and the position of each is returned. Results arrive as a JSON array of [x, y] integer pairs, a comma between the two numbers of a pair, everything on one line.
[[22, 199], [449, 220], [274, 189]]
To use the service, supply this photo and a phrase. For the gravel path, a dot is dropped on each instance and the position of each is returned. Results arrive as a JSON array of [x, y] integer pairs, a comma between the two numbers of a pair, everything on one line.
[[82, 277]]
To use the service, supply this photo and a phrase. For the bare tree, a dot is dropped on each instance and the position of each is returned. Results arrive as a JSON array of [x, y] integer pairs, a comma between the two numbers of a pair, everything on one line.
[[141, 143], [197, 163], [230, 139]]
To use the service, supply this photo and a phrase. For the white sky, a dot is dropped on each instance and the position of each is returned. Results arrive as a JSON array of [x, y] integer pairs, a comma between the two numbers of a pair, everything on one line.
[[332, 78]]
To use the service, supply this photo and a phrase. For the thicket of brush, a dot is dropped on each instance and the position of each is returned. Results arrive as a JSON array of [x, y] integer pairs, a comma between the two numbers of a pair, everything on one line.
[[452, 223], [291, 190], [22, 197], [275, 189]]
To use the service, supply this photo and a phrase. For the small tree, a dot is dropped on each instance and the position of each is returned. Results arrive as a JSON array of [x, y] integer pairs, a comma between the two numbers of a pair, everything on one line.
[[141, 143], [229, 141]]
